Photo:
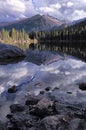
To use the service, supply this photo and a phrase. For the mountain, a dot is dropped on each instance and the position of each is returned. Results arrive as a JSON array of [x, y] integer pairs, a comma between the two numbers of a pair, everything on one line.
[[35, 23], [3, 23], [77, 21]]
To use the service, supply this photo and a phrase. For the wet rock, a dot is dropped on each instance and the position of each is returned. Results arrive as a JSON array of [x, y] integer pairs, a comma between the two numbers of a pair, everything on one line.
[[28, 123], [32, 100], [69, 92], [59, 108], [33, 128], [60, 122], [54, 89], [66, 109], [40, 113], [22, 121], [38, 84], [82, 86], [13, 89], [3, 126], [16, 123], [9, 116], [82, 125], [42, 92], [84, 114], [17, 108], [42, 108], [52, 123], [48, 88], [73, 124]]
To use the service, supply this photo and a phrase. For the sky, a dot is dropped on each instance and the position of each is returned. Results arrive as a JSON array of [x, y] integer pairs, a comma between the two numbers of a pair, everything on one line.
[[62, 9]]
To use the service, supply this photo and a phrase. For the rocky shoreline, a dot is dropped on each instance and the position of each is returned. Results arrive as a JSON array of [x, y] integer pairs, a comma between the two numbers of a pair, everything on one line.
[[45, 113], [50, 97]]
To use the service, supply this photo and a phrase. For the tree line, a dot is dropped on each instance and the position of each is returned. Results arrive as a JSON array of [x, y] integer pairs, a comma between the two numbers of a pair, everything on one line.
[[20, 38], [70, 39]]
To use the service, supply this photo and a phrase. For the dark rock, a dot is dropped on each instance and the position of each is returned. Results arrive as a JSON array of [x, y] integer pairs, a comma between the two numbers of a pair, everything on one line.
[[38, 84], [13, 89], [84, 114], [9, 116], [10, 54], [33, 128], [61, 122], [17, 108], [56, 88], [62, 108], [28, 123], [48, 88], [32, 100], [82, 86], [69, 92], [3, 126], [42, 92], [22, 121], [8, 51], [52, 123], [82, 125], [16, 123], [42, 108], [73, 124]]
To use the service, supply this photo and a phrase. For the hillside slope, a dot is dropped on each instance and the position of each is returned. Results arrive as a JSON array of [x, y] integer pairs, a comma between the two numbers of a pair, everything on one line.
[[35, 23]]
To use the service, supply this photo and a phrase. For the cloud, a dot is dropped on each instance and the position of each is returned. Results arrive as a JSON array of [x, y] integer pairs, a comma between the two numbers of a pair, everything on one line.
[[50, 9], [62, 9], [78, 14], [46, 9], [15, 9], [12, 8], [69, 4]]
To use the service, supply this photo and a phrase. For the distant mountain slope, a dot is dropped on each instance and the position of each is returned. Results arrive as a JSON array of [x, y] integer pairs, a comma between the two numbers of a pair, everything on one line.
[[35, 23], [3, 23], [77, 21]]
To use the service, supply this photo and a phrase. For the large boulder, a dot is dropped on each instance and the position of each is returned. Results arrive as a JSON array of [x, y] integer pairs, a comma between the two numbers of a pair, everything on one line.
[[53, 123], [9, 51], [42, 108]]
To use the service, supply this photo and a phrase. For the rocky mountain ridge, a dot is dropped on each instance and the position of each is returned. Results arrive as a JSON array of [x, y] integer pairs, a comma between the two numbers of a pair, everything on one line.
[[35, 23]]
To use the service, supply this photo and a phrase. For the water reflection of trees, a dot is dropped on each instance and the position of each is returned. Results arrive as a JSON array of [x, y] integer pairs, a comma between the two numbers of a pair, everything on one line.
[[73, 48]]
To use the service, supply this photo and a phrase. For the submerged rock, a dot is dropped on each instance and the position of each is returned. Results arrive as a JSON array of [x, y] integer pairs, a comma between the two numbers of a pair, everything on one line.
[[82, 86], [13, 89], [17, 108], [3, 126], [42, 92], [48, 88]]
